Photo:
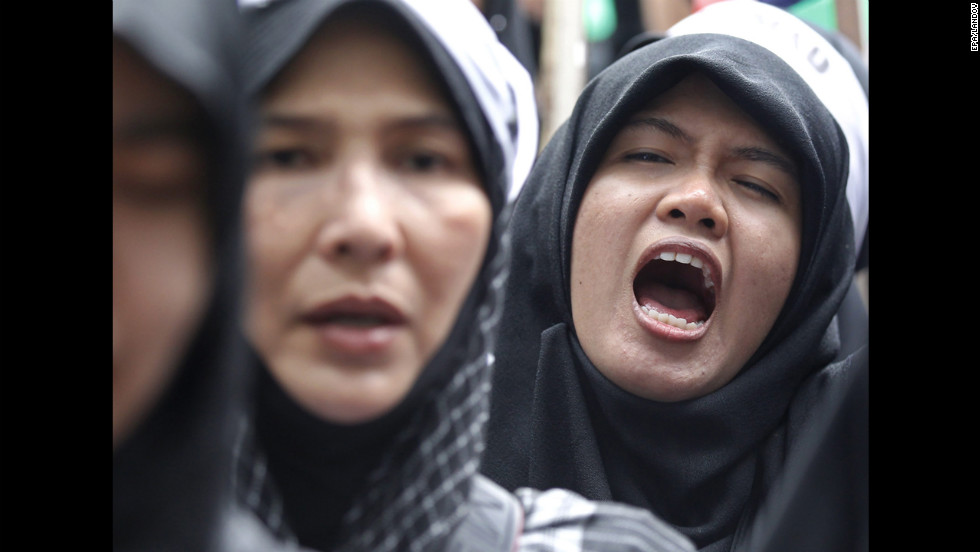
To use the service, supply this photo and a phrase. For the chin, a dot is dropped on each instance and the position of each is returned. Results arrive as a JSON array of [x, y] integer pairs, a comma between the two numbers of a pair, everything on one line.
[[352, 411], [665, 384]]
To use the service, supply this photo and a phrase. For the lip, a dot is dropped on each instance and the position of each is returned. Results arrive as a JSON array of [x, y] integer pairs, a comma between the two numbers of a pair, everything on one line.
[[696, 250], [356, 326]]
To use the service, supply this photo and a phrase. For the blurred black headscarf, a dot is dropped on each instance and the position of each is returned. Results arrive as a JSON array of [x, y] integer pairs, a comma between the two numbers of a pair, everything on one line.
[[170, 479], [703, 464]]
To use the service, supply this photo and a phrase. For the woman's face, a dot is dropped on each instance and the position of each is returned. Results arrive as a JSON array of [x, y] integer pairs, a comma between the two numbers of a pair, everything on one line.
[[685, 246], [161, 268], [367, 223]]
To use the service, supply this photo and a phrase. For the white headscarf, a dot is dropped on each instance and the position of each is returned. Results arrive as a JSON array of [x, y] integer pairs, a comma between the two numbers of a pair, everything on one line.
[[500, 83]]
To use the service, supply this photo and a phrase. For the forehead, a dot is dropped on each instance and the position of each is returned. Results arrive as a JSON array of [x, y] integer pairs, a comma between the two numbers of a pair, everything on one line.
[[697, 99], [139, 88], [696, 110], [365, 58]]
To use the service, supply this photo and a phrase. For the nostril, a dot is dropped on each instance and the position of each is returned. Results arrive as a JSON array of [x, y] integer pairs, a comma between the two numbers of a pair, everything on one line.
[[364, 250], [708, 222], [676, 213]]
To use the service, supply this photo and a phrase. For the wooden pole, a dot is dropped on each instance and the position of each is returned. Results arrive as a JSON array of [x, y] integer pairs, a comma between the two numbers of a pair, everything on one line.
[[849, 21], [660, 15], [563, 69]]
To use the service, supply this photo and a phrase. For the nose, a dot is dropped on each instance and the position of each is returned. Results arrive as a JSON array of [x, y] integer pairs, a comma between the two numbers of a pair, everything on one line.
[[361, 225], [695, 202]]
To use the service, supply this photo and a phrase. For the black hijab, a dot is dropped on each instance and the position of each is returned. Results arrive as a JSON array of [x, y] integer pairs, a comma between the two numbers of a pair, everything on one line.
[[556, 421], [401, 481], [170, 476]]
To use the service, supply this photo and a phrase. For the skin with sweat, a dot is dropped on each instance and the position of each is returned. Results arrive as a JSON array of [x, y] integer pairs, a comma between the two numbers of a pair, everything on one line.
[[671, 183]]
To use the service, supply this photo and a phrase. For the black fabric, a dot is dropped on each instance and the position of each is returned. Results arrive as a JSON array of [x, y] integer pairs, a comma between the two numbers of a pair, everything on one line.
[[311, 459], [703, 464], [401, 481], [854, 322], [824, 487], [170, 476], [853, 316], [853, 56]]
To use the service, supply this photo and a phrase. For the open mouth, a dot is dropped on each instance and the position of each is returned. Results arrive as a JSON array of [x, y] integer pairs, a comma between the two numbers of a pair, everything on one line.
[[676, 288]]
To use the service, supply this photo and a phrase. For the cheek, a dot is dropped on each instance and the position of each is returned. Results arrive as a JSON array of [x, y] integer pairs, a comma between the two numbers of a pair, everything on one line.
[[603, 234], [161, 269], [771, 255], [446, 247], [272, 222], [597, 240], [780, 257], [161, 279], [276, 232]]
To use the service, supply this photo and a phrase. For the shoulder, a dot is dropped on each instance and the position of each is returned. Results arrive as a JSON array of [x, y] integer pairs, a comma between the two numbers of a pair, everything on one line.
[[242, 531], [492, 522], [822, 393], [561, 520]]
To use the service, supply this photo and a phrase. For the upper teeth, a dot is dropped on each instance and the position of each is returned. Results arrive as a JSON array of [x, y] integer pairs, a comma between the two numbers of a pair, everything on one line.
[[687, 258]]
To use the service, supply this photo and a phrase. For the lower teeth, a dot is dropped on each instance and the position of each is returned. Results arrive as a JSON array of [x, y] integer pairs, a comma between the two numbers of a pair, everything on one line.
[[671, 319]]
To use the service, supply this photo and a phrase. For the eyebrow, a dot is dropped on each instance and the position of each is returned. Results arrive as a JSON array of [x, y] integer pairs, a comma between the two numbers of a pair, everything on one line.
[[292, 122], [435, 120], [307, 123], [766, 156], [748, 153], [158, 126], [660, 124]]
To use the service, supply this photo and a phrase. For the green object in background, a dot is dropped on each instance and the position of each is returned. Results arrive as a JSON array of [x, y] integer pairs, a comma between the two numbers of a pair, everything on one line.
[[600, 19], [824, 13], [820, 12]]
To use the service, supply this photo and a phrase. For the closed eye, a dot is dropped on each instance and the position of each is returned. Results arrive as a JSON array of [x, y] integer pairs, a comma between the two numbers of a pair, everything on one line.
[[758, 189], [283, 159], [423, 162], [647, 157]]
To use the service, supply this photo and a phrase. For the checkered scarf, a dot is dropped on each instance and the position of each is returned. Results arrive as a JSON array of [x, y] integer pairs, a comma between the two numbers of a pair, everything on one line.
[[418, 494]]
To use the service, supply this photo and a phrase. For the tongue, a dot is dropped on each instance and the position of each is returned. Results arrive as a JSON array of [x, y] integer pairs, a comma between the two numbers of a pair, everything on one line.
[[679, 302]]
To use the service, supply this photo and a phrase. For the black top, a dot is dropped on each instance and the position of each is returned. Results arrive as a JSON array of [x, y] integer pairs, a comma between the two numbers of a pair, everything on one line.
[[170, 477], [701, 464]]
